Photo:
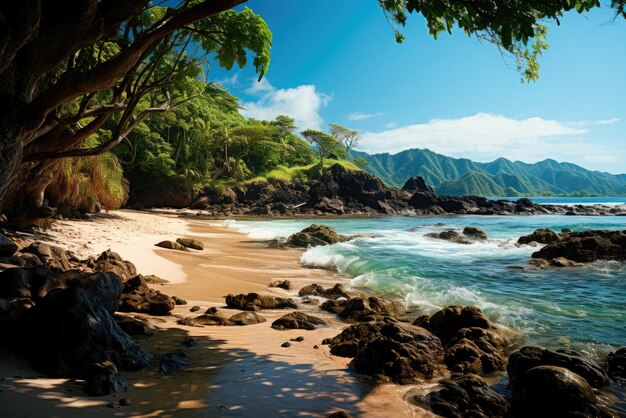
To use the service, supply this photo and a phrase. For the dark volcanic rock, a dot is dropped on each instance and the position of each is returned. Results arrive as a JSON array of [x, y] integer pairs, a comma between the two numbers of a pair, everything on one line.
[[191, 243], [448, 236], [586, 246], [466, 396], [138, 297], [173, 362], [313, 236], [297, 320], [112, 262], [617, 364], [476, 233], [390, 351], [415, 184], [133, 326], [541, 236], [314, 289], [529, 357], [361, 309], [551, 391], [103, 379], [7, 247], [255, 302]]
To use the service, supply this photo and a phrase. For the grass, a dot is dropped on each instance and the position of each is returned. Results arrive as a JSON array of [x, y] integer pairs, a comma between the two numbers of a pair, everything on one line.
[[303, 173]]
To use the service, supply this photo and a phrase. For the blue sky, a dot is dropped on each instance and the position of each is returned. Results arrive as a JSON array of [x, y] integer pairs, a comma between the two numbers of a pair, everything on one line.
[[337, 62]]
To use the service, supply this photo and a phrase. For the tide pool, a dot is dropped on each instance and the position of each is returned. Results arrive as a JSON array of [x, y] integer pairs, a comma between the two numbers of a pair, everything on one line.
[[580, 308]]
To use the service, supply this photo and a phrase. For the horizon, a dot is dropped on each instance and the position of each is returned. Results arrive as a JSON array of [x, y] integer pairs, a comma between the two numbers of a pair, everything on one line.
[[453, 95]]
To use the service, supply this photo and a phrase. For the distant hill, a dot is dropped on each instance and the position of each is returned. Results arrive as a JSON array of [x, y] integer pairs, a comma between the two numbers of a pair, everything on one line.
[[502, 177]]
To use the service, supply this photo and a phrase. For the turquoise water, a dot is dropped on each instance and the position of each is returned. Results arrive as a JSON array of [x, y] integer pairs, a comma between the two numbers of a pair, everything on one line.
[[583, 308], [609, 201]]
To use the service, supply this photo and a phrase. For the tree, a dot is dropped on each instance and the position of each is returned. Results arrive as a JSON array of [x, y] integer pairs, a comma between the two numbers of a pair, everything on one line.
[[361, 162], [67, 68], [324, 144], [347, 137]]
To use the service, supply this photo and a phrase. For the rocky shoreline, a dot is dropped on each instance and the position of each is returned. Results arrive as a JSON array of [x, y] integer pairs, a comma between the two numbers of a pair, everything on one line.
[[356, 193], [50, 295]]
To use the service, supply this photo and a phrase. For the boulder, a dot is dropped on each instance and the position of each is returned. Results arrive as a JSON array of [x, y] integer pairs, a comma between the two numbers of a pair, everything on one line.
[[364, 310], [465, 396], [617, 364], [315, 289], [586, 246], [208, 319], [138, 297], [133, 326], [247, 318], [313, 236], [112, 262], [475, 233], [334, 206], [103, 379], [551, 391], [53, 257], [423, 200], [173, 362], [390, 351], [449, 236], [255, 302], [172, 245], [7, 247], [191, 243], [541, 236], [283, 284], [297, 320], [415, 184], [529, 357]]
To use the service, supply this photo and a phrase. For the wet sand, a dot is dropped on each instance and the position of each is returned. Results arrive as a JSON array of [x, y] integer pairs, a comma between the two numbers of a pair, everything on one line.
[[233, 371]]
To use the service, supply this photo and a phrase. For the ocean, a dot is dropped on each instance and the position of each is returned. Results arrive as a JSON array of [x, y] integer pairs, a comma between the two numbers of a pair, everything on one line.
[[578, 308]]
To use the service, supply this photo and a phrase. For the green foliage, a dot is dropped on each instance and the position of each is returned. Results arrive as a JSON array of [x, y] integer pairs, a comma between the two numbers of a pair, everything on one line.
[[501, 177], [325, 145], [301, 173], [514, 26]]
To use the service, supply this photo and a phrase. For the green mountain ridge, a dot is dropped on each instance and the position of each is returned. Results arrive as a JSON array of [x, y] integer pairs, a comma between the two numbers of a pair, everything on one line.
[[501, 177]]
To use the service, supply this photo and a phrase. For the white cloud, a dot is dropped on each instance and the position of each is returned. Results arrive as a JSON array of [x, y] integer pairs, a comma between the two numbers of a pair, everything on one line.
[[390, 125], [486, 136], [303, 103], [229, 81], [363, 116]]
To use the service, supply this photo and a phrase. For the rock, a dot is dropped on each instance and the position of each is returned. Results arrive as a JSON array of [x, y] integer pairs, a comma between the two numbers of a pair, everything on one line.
[[314, 289], [334, 206], [448, 236], [586, 246], [423, 200], [617, 364], [334, 306], [563, 262], [53, 257], [417, 183], [363, 310], [172, 245], [313, 236], [70, 329], [286, 344], [152, 279], [298, 339], [390, 351], [447, 322], [195, 308], [541, 236], [103, 379], [133, 326], [173, 362], [466, 396], [189, 342], [7, 247], [178, 301], [283, 284], [551, 391], [297, 320], [138, 297], [110, 261], [308, 300], [247, 318], [255, 302], [206, 319], [476, 233], [529, 357], [190, 243], [539, 263]]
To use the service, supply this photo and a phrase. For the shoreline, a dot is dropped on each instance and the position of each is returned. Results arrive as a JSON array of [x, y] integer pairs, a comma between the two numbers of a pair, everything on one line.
[[233, 371]]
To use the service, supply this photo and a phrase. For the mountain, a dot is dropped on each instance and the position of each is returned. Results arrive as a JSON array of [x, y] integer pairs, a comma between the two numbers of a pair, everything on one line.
[[502, 177]]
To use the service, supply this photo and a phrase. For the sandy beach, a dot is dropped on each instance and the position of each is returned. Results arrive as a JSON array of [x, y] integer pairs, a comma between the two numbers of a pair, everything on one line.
[[233, 371]]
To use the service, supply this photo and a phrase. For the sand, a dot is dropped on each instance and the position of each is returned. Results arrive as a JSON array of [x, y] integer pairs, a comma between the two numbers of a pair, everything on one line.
[[233, 371]]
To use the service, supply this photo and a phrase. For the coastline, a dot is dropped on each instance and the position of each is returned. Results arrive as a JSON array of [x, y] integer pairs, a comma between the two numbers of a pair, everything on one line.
[[233, 371]]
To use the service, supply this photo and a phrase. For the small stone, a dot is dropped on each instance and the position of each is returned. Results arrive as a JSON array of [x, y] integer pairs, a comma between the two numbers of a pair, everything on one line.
[[298, 339], [286, 344], [195, 308], [316, 347], [125, 402]]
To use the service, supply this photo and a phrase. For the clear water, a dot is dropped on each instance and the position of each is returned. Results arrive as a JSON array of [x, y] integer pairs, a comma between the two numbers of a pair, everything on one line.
[[582, 308]]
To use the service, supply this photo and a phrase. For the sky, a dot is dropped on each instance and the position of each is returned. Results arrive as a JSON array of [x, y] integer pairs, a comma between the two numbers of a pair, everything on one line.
[[336, 61]]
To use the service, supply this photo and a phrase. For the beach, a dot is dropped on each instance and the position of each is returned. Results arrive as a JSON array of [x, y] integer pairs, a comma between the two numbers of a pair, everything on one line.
[[232, 371]]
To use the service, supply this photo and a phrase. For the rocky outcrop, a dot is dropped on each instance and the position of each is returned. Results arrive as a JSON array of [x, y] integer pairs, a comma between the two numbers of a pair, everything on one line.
[[335, 292], [529, 357], [212, 318], [475, 233], [7, 247], [297, 320], [586, 246], [282, 284], [194, 244], [139, 297], [617, 364], [112, 262], [390, 351], [313, 236], [255, 302], [449, 235], [358, 309], [540, 236], [465, 396], [473, 344]]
